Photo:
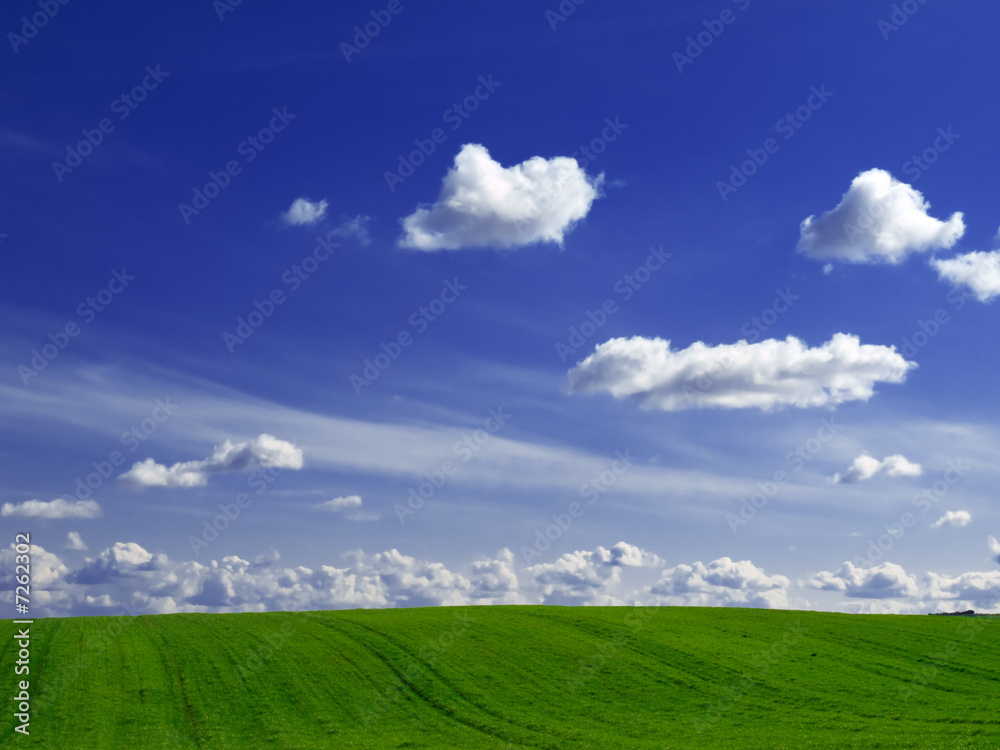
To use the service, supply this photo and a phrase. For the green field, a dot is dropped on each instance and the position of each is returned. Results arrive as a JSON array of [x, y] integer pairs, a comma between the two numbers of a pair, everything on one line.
[[499, 677]]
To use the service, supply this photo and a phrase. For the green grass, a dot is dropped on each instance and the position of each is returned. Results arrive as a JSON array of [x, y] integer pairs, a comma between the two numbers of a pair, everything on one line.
[[499, 677]]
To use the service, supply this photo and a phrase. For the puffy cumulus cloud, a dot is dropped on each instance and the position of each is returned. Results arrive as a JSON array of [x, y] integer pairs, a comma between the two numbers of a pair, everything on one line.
[[887, 588], [237, 585], [627, 555], [58, 508], [483, 204], [994, 548], [883, 581], [304, 211], [126, 578], [47, 570], [974, 590], [978, 272], [879, 220], [74, 541], [121, 559], [339, 503], [264, 451], [495, 582], [586, 577], [721, 583], [386, 579], [865, 467], [126, 575], [766, 375], [49, 590], [953, 518], [411, 582], [148, 473]]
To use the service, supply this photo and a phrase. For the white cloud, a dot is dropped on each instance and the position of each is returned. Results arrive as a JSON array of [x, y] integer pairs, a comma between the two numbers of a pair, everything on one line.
[[994, 548], [483, 204], [409, 582], [883, 581], [349, 501], [128, 577], [394, 445], [58, 508], [879, 219], [264, 451], [304, 211], [121, 559], [148, 473], [953, 518], [888, 588], [47, 570], [586, 577], [356, 227], [979, 272], [974, 590], [74, 541], [127, 571], [339, 503], [765, 375], [495, 582], [721, 583], [49, 590], [865, 467]]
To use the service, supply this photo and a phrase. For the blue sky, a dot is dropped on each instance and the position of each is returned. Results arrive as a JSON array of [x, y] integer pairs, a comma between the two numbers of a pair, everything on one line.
[[479, 182]]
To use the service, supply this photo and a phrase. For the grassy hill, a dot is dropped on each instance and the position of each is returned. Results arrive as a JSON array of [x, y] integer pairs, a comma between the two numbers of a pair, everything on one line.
[[510, 677]]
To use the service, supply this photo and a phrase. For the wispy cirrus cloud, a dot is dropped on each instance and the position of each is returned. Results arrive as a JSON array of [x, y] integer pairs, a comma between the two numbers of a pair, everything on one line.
[[953, 518], [356, 227]]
